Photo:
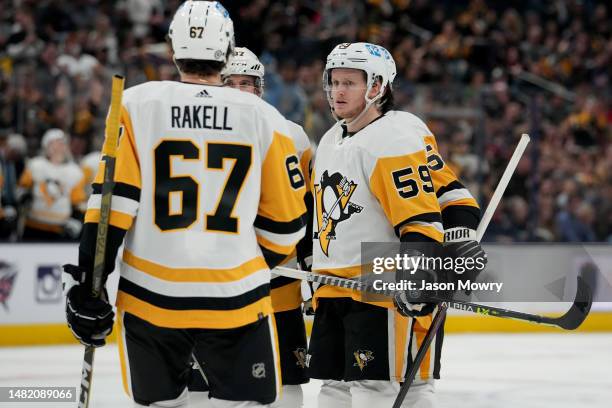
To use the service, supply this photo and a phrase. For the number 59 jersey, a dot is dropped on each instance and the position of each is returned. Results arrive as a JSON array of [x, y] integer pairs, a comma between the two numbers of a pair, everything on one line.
[[373, 186], [209, 189]]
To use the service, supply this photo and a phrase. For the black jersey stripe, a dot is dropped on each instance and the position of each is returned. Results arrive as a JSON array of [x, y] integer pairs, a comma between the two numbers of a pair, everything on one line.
[[461, 216], [194, 303], [120, 189], [425, 217], [453, 185], [280, 227], [281, 281], [273, 259]]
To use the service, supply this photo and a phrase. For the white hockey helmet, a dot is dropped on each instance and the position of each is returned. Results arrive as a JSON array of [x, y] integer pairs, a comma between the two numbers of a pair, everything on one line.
[[202, 30], [373, 59], [391, 69], [52, 135], [244, 62]]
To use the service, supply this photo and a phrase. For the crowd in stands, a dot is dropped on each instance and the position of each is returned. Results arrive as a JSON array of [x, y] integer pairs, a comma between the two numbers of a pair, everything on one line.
[[480, 73]]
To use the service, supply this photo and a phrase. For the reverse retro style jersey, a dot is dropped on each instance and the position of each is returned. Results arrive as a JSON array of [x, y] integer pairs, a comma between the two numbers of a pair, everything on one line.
[[374, 186], [56, 188], [209, 189], [286, 292]]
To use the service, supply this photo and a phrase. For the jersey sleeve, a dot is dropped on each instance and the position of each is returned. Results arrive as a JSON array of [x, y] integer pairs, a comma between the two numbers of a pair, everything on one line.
[[280, 220], [125, 198], [26, 180], [404, 188], [459, 208], [304, 247], [77, 194]]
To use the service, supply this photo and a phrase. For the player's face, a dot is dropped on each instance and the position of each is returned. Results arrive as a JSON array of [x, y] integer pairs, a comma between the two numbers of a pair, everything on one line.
[[245, 83], [348, 87], [57, 150]]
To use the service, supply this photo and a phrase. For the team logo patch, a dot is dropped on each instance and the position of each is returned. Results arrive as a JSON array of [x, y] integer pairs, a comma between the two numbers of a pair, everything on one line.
[[259, 370], [333, 205], [300, 355], [51, 190], [362, 358], [49, 284], [8, 273]]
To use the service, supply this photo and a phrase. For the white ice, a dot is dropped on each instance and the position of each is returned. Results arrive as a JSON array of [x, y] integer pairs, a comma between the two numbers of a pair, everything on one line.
[[478, 371]]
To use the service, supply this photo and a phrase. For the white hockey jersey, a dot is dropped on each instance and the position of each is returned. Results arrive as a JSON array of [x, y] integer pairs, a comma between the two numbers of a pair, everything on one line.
[[207, 183], [373, 186], [56, 188], [286, 292]]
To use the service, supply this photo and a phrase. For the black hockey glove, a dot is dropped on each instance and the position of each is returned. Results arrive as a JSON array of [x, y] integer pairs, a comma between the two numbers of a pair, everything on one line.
[[413, 303], [470, 259], [90, 319]]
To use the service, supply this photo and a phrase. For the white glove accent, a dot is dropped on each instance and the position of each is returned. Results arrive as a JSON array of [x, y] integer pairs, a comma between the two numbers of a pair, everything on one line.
[[10, 213], [68, 282], [73, 227], [459, 234]]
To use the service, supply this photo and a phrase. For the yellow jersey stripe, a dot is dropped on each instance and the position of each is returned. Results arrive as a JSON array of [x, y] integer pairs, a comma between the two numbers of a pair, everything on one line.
[[182, 319], [279, 249], [464, 201], [194, 274], [117, 219], [427, 230], [287, 297]]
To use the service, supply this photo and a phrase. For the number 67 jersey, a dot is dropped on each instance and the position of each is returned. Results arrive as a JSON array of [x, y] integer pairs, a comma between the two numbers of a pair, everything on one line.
[[373, 186], [208, 194]]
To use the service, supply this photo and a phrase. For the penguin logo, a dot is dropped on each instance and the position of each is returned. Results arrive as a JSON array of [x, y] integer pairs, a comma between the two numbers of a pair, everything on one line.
[[362, 358], [332, 202], [51, 190]]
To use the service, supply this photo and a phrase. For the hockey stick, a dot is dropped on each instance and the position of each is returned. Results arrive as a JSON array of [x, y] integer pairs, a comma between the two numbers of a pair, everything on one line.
[[109, 152], [571, 320]]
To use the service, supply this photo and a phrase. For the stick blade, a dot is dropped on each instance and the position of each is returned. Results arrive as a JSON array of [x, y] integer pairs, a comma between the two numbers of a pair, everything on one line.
[[579, 310]]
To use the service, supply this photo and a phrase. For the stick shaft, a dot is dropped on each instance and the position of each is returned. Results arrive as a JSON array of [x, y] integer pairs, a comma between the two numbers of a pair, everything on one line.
[[436, 323], [501, 186], [109, 152]]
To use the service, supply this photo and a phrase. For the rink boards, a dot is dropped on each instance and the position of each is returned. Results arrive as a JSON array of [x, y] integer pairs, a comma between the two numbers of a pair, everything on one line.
[[32, 307]]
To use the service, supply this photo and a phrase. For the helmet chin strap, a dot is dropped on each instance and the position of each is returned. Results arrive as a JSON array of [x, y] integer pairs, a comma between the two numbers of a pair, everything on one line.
[[369, 102]]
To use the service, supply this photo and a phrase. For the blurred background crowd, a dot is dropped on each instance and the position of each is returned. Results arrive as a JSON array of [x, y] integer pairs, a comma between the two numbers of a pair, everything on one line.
[[478, 72]]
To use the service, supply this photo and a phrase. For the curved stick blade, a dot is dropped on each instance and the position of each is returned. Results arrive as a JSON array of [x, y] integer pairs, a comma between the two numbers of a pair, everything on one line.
[[579, 310]]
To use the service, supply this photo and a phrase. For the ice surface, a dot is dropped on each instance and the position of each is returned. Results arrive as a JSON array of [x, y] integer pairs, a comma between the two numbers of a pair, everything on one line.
[[478, 371]]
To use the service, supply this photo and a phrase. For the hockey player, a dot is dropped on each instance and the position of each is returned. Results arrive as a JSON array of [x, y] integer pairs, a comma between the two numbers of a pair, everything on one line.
[[245, 72], [56, 187], [207, 200], [372, 181]]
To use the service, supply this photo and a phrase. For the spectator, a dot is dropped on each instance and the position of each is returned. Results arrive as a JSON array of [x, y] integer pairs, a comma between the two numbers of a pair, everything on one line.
[[576, 223], [468, 68]]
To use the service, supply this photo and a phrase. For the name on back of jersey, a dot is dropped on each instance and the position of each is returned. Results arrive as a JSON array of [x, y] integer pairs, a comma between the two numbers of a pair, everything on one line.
[[200, 117]]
